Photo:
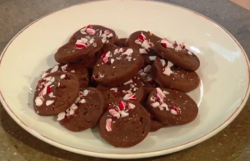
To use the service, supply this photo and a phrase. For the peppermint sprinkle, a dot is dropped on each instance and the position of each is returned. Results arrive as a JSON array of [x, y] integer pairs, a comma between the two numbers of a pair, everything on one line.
[[44, 75], [128, 52], [147, 69], [54, 69], [61, 116], [155, 104], [82, 101], [142, 51], [167, 71], [124, 114], [131, 106], [163, 62], [109, 124], [114, 89], [152, 58], [64, 67], [72, 71], [85, 92], [128, 82], [175, 111], [63, 76], [112, 61], [49, 102], [114, 113], [38, 101], [129, 97], [166, 43]]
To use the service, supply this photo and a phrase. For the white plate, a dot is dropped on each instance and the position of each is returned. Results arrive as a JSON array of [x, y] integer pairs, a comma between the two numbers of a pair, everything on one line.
[[224, 72]]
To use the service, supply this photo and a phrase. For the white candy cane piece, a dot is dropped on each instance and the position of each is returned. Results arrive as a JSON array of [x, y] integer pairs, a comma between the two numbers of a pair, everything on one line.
[[114, 113], [131, 106], [61, 116], [155, 104], [85, 92], [38, 101], [109, 124], [54, 69], [49, 102], [147, 69]]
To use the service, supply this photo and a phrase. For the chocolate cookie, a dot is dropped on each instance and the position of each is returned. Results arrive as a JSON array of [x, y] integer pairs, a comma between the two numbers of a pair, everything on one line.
[[143, 42], [124, 124], [156, 125], [75, 68], [131, 90], [55, 93], [107, 35], [84, 47], [121, 42], [178, 54], [170, 76], [117, 66], [171, 107], [85, 112]]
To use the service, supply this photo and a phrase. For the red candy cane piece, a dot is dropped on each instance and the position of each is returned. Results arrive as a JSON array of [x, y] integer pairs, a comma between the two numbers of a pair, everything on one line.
[[141, 37], [109, 124], [114, 113], [107, 32], [89, 27], [175, 111], [105, 56], [183, 46], [130, 97], [122, 105], [160, 95]]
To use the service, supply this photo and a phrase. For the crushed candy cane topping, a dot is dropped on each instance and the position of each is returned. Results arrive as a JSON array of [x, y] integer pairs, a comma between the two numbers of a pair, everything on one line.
[[145, 43], [106, 34], [121, 109], [69, 112], [166, 43]]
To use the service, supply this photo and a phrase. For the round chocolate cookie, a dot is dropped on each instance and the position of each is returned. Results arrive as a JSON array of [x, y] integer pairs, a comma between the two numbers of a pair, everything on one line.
[[107, 35], [55, 93], [143, 42], [171, 107], [131, 90], [85, 112], [75, 68], [84, 47], [178, 54], [124, 124], [117, 66], [121, 42], [170, 76]]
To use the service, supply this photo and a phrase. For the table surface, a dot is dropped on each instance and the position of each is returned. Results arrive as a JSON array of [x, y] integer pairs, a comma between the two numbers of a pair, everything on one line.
[[232, 144]]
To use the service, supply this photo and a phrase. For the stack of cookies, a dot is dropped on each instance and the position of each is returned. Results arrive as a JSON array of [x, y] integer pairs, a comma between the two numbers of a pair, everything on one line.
[[128, 87]]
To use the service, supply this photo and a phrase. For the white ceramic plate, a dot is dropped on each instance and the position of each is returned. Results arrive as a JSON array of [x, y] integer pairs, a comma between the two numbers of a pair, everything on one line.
[[221, 96]]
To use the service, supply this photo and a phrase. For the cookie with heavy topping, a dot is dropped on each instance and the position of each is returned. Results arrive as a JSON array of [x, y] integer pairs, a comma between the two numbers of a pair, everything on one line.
[[107, 35], [143, 42], [117, 66], [55, 93], [171, 107], [124, 124], [83, 47], [178, 54], [169, 75], [75, 68], [85, 112], [131, 90]]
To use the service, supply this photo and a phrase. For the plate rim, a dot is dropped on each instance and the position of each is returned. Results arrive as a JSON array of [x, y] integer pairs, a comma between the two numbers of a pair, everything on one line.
[[140, 154]]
